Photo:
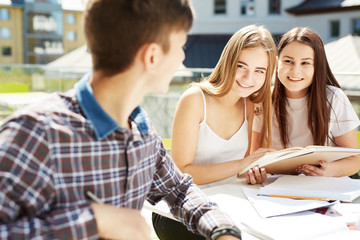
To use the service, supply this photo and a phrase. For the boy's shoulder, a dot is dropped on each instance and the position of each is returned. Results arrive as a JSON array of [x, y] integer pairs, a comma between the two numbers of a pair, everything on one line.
[[49, 108]]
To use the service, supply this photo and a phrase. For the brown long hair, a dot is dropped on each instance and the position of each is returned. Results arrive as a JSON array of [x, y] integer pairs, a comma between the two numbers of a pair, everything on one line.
[[222, 78], [318, 106], [116, 29]]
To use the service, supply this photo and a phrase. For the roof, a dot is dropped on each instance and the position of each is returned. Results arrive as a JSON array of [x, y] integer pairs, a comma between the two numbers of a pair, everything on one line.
[[322, 6], [344, 59], [79, 61], [343, 56], [203, 51]]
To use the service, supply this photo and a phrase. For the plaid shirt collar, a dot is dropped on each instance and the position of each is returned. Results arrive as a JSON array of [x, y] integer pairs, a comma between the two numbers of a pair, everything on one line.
[[102, 122]]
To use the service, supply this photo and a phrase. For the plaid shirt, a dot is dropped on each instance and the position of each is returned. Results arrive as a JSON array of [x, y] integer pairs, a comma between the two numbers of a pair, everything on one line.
[[53, 152]]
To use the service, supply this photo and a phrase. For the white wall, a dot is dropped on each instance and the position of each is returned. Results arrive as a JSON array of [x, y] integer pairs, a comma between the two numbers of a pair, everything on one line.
[[206, 22], [321, 23]]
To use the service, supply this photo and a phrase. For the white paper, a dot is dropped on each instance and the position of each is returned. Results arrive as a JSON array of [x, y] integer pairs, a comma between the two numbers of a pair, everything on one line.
[[300, 226], [270, 206], [348, 212], [334, 188]]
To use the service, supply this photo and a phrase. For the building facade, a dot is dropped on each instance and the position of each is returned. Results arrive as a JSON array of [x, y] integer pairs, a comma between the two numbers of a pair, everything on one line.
[[43, 31], [73, 36], [217, 20], [38, 31], [11, 34]]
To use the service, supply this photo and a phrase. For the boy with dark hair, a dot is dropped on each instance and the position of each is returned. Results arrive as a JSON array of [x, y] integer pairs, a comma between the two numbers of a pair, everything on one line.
[[97, 139]]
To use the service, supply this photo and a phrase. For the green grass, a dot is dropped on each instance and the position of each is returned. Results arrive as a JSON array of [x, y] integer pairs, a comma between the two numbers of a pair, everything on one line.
[[13, 87]]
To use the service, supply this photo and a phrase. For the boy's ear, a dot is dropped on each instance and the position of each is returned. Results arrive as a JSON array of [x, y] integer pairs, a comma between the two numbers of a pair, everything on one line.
[[151, 56]]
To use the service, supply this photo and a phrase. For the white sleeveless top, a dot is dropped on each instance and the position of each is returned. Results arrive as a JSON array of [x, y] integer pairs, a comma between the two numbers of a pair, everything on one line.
[[213, 149]]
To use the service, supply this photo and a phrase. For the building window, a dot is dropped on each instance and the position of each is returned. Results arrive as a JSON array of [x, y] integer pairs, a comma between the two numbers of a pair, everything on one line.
[[247, 8], [4, 14], [274, 6], [71, 36], [5, 33], [70, 19], [45, 22], [6, 51], [220, 6], [356, 27], [334, 28]]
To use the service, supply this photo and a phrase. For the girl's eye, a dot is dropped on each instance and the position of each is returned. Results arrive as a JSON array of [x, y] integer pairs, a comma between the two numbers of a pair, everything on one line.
[[260, 71], [288, 61], [305, 63], [241, 66]]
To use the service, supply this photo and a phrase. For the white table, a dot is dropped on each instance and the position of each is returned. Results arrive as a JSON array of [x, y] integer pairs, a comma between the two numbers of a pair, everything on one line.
[[233, 201]]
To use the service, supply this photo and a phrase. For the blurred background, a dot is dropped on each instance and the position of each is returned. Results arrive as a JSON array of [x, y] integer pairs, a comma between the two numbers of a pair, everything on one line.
[[43, 49]]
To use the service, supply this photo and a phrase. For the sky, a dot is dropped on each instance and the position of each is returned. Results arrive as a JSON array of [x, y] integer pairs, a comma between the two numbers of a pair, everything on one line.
[[74, 4]]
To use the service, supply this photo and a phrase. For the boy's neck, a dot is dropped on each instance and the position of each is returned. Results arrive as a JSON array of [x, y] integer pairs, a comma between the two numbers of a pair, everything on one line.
[[118, 95]]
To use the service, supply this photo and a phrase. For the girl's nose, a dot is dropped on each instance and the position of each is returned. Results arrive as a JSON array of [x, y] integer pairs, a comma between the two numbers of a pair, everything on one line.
[[246, 76], [296, 68]]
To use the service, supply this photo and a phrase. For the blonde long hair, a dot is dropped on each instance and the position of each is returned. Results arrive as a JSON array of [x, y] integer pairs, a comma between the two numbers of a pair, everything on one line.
[[222, 78]]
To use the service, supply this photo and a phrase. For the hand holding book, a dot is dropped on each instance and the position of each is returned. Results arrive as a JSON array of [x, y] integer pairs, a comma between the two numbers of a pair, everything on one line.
[[286, 161]]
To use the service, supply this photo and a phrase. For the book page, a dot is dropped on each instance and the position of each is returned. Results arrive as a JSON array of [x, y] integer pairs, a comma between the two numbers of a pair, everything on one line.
[[287, 160], [332, 149], [277, 156], [332, 188]]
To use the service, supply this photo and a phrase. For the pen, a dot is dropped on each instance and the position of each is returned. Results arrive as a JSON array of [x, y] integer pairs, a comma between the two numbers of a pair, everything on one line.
[[93, 197], [296, 197]]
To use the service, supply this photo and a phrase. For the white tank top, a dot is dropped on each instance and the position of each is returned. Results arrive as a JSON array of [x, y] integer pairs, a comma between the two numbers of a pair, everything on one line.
[[213, 149]]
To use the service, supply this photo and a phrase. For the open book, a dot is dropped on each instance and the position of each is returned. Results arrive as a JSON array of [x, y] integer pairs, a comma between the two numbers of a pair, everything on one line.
[[287, 160], [313, 187]]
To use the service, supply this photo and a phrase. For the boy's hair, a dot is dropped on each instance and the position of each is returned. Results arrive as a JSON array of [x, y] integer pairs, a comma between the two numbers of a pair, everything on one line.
[[222, 78], [318, 107], [116, 29]]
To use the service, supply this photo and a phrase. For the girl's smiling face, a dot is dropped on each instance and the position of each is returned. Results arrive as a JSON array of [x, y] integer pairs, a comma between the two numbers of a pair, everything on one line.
[[251, 71], [296, 69]]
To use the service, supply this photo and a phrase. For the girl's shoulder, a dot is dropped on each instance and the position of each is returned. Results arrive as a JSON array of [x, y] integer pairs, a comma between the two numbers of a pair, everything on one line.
[[334, 92], [194, 93], [193, 97], [332, 89], [336, 96]]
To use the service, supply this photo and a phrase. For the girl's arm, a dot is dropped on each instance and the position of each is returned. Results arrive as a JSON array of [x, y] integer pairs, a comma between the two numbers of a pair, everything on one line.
[[345, 119], [343, 167], [254, 141], [188, 115]]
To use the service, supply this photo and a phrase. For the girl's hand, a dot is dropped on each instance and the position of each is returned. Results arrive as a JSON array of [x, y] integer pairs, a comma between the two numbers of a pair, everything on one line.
[[254, 156], [256, 175], [313, 170]]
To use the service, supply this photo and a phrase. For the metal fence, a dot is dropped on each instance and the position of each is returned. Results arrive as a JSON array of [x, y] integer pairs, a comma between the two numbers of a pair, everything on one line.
[[24, 84]]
